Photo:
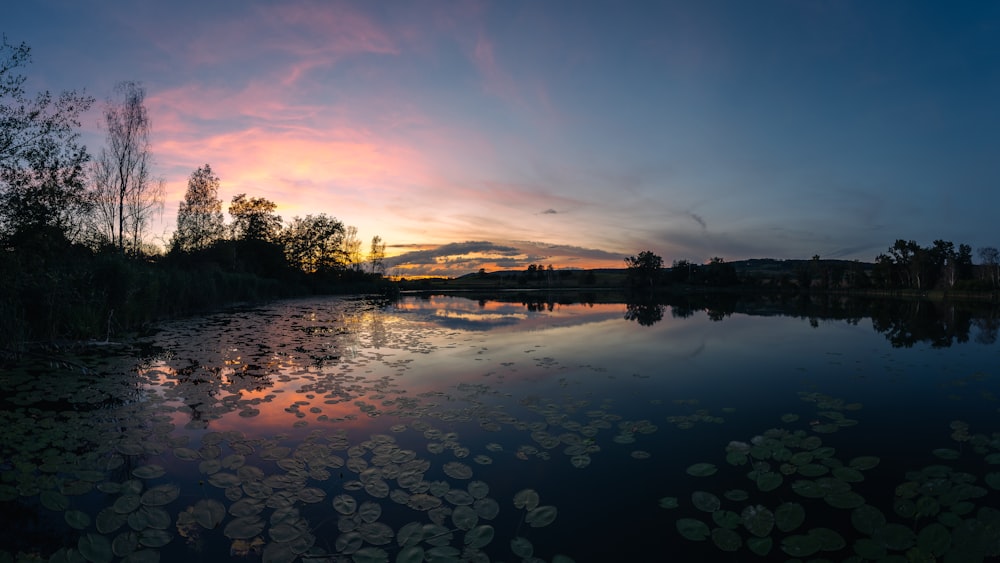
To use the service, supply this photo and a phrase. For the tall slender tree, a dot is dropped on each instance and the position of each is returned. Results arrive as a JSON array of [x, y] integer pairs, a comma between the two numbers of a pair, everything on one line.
[[125, 191], [199, 218], [376, 256]]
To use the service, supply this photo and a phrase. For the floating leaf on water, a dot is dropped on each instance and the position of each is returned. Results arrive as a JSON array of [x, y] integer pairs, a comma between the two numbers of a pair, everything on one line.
[[727, 519], [154, 538], [946, 453], [422, 501], [151, 471], [160, 495], [758, 520], [486, 508], [895, 537], [869, 549], [864, 463], [94, 548], [541, 516], [411, 534], [208, 513], [905, 508], [829, 540], [580, 461], [789, 516], [186, 454], [866, 519], [692, 529], [769, 481], [800, 545], [702, 469], [736, 458], [844, 499], [480, 536], [526, 499], [348, 543], [521, 547], [478, 489], [244, 528], [369, 511], [789, 417], [311, 495], [760, 546], [125, 543], [54, 500], [668, 502], [726, 539], [705, 501], [993, 480], [457, 470], [108, 520], [77, 519], [934, 539], [284, 532], [736, 495], [345, 504], [126, 503], [411, 554], [370, 555], [464, 518], [224, 480]]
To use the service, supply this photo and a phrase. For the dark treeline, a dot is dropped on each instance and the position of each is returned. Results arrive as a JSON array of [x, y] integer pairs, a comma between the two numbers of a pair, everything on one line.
[[75, 256], [905, 266]]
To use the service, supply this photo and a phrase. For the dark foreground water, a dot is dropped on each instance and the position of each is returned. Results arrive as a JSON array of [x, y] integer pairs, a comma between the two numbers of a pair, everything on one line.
[[529, 428]]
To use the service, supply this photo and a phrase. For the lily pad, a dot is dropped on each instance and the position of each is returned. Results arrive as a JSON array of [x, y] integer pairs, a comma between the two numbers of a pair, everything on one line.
[[151, 471], [769, 481], [726, 539], [789, 516], [895, 537], [692, 529], [526, 499], [345, 504], [669, 502], [54, 500], [758, 520], [77, 519], [702, 469], [727, 519], [934, 539], [705, 501], [94, 548], [541, 516], [480, 536], [863, 463], [760, 546], [844, 499], [208, 513], [522, 547], [160, 495], [866, 519], [800, 545]]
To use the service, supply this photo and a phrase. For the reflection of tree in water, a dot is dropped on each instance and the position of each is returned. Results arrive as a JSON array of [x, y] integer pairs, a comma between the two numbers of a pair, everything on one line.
[[904, 322], [646, 313]]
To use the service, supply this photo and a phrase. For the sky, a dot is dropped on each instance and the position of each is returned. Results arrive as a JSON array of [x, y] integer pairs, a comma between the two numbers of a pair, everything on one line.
[[499, 134]]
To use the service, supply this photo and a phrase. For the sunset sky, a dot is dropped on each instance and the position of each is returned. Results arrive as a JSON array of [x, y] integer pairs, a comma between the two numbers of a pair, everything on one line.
[[571, 133]]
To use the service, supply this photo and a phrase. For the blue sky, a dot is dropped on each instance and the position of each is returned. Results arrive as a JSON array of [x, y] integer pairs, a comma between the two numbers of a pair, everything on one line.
[[497, 134]]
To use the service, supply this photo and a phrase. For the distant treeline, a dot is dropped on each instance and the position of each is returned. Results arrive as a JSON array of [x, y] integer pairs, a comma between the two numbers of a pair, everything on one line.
[[905, 266]]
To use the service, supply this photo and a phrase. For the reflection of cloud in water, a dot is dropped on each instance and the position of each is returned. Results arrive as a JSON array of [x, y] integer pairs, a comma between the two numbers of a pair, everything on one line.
[[476, 321]]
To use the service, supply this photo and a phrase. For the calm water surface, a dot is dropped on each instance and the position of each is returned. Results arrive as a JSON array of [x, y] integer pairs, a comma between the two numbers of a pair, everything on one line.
[[442, 428]]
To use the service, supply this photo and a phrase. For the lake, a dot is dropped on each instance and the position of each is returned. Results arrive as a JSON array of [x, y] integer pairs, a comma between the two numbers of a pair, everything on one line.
[[517, 427]]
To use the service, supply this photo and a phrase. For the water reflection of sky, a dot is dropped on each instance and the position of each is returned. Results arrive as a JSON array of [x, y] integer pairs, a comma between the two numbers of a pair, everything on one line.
[[492, 384]]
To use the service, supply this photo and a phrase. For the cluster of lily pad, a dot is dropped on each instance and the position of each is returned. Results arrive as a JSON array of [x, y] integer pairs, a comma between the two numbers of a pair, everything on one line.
[[938, 513]]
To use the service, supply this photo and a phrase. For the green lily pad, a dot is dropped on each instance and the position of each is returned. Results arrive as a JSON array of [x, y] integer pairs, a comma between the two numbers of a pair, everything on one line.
[[95, 548], [526, 499], [895, 537], [726, 539], [705, 501], [154, 538], [692, 529], [54, 500], [844, 499], [829, 540], [934, 539], [813, 470], [789, 516], [77, 519], [345, 504], [866, 519], [522, 547], [541, 516], [736, 495], [769, 481], [151, 471], [870, 549], [160, 495], [478, 537], [946, 453], [669, 502], [863, 463], [848, 474], [209, 513], [702, 469], [993, 480], [244, 528], [760, 546], [800, 545], [758, 520], [726, 519]]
